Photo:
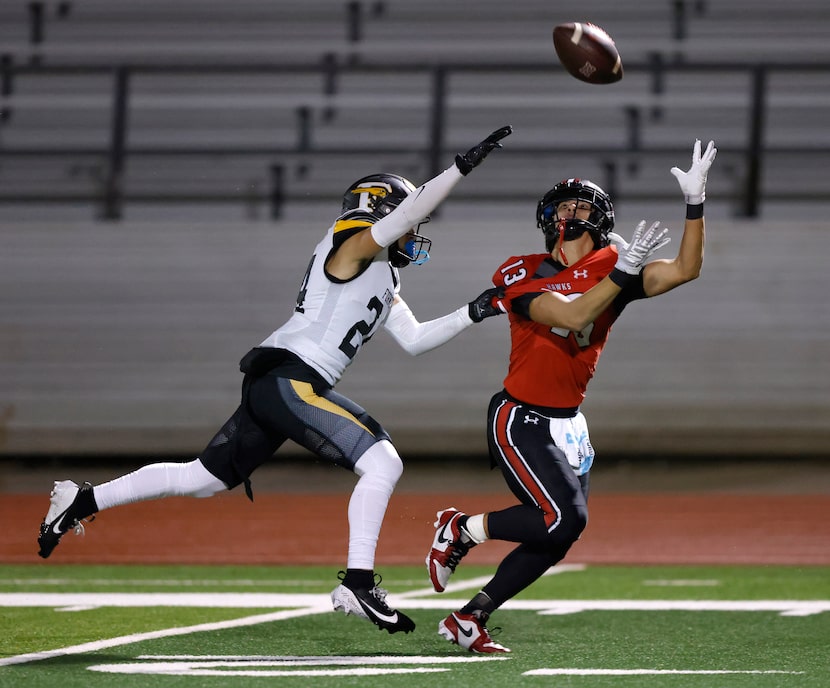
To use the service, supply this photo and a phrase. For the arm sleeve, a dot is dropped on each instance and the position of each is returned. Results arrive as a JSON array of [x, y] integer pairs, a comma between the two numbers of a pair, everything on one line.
[[521, 304], [415, 207], [416, 337]]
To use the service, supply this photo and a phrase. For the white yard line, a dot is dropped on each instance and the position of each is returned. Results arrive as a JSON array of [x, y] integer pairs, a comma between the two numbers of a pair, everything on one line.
[[319, 603], [167, 582], [477, 583], [245, 582], [647, 672], [309, 604], [165, 633], [242, 665]]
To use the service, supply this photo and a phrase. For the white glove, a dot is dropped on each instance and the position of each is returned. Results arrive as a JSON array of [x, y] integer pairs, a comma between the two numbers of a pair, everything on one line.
[[693, 182], [632, 256]]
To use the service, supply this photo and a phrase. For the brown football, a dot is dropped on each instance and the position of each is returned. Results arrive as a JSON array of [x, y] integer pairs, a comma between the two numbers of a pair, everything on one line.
[[587, 52]]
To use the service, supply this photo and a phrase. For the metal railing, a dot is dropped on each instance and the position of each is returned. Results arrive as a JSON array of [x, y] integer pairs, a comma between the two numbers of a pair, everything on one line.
[[113, 195]]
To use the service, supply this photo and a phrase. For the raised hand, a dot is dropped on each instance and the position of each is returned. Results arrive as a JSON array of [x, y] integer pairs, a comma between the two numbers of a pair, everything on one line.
[[693, 182], [473, 157], [632, 256]]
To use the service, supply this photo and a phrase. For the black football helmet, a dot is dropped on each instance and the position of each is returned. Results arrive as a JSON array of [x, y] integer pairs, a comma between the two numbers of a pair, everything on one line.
[[598, 225], [378, 195]]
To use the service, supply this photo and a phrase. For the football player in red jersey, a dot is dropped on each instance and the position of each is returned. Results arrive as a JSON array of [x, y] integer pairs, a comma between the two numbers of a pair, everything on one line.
[[561, 305]]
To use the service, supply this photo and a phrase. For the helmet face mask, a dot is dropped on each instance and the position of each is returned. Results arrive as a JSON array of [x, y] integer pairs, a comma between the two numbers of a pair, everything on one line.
[[598, 224], [379, 195], [415, 250]]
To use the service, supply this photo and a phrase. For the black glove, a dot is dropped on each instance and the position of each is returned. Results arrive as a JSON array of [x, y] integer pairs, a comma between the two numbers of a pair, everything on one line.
[[483, 305], [473, 157]]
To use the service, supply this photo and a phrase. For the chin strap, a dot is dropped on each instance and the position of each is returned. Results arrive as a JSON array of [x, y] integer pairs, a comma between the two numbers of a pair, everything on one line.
[[561, 240], [563, 258]]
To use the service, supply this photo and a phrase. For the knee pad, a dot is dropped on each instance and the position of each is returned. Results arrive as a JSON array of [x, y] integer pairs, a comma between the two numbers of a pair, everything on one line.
[[380, 462]]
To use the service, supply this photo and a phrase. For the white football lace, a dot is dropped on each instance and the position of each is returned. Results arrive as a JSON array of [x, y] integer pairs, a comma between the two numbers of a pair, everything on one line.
[[78, 528]]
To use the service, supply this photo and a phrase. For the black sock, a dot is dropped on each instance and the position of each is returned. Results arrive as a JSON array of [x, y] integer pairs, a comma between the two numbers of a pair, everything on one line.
[[359, 578], [84, 504], [481, 606]]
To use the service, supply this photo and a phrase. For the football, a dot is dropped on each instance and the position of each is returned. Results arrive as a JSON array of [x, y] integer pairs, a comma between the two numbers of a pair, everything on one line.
[[587, 52]]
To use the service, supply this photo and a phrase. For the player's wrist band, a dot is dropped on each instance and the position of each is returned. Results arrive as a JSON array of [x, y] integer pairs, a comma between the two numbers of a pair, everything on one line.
[[694, 212], [620, 278]]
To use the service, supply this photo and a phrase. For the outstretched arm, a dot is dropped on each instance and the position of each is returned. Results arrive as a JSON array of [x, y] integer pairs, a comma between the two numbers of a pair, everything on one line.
[[417, 337], [555, 310], [364, 246], [662, 275]]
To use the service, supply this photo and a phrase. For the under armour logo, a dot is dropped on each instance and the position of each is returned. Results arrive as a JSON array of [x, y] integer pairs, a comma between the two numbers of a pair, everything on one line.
[[532, 419], [580, 273]]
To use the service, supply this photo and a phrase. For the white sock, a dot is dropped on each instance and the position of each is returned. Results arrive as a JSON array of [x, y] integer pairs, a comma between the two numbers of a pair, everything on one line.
[[379, 469], [158, 480], [475, 528]]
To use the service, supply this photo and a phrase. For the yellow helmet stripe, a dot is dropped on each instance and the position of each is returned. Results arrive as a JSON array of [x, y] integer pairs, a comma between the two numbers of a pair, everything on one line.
[[374, 190]]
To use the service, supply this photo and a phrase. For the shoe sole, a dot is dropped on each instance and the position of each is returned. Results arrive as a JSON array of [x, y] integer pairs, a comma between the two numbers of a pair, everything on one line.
[[344, 600], [447, 633], [48, 538], [444, 630], [433, 575]]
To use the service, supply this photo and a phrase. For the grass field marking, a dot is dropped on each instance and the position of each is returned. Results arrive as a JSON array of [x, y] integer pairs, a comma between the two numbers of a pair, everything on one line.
[[683, 583], [96, 645], [282, 665], [783, 607], [91, 600], [648, 672], [162, 582], [322, 604], [319, 602], [468, 584], [460, 584], [477, 583], [173, 669], [314, 660]]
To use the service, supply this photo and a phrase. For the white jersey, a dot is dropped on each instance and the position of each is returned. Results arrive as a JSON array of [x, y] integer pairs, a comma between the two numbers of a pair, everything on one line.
[[333, 319]]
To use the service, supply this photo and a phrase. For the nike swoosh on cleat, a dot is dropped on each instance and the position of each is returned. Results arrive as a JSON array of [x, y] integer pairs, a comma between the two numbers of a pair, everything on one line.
[[379, 615], [468, 632], [441, 538], [56, 525]]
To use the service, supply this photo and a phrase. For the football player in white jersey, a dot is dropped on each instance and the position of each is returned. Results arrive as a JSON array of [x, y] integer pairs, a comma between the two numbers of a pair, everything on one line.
[[349, 291]]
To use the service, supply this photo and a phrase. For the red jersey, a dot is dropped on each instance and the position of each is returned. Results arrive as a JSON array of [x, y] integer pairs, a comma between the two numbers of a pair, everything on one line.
[[552, 366]]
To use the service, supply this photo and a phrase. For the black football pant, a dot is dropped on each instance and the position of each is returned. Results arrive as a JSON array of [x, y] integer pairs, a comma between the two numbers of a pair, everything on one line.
[[553, 508]]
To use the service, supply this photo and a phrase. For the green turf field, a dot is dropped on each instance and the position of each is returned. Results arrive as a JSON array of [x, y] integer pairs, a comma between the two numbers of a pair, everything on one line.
[[176, 626]]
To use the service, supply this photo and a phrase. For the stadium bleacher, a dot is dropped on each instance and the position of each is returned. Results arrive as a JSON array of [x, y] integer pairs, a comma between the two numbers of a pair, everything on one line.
[[123, 336], [309, 82]]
